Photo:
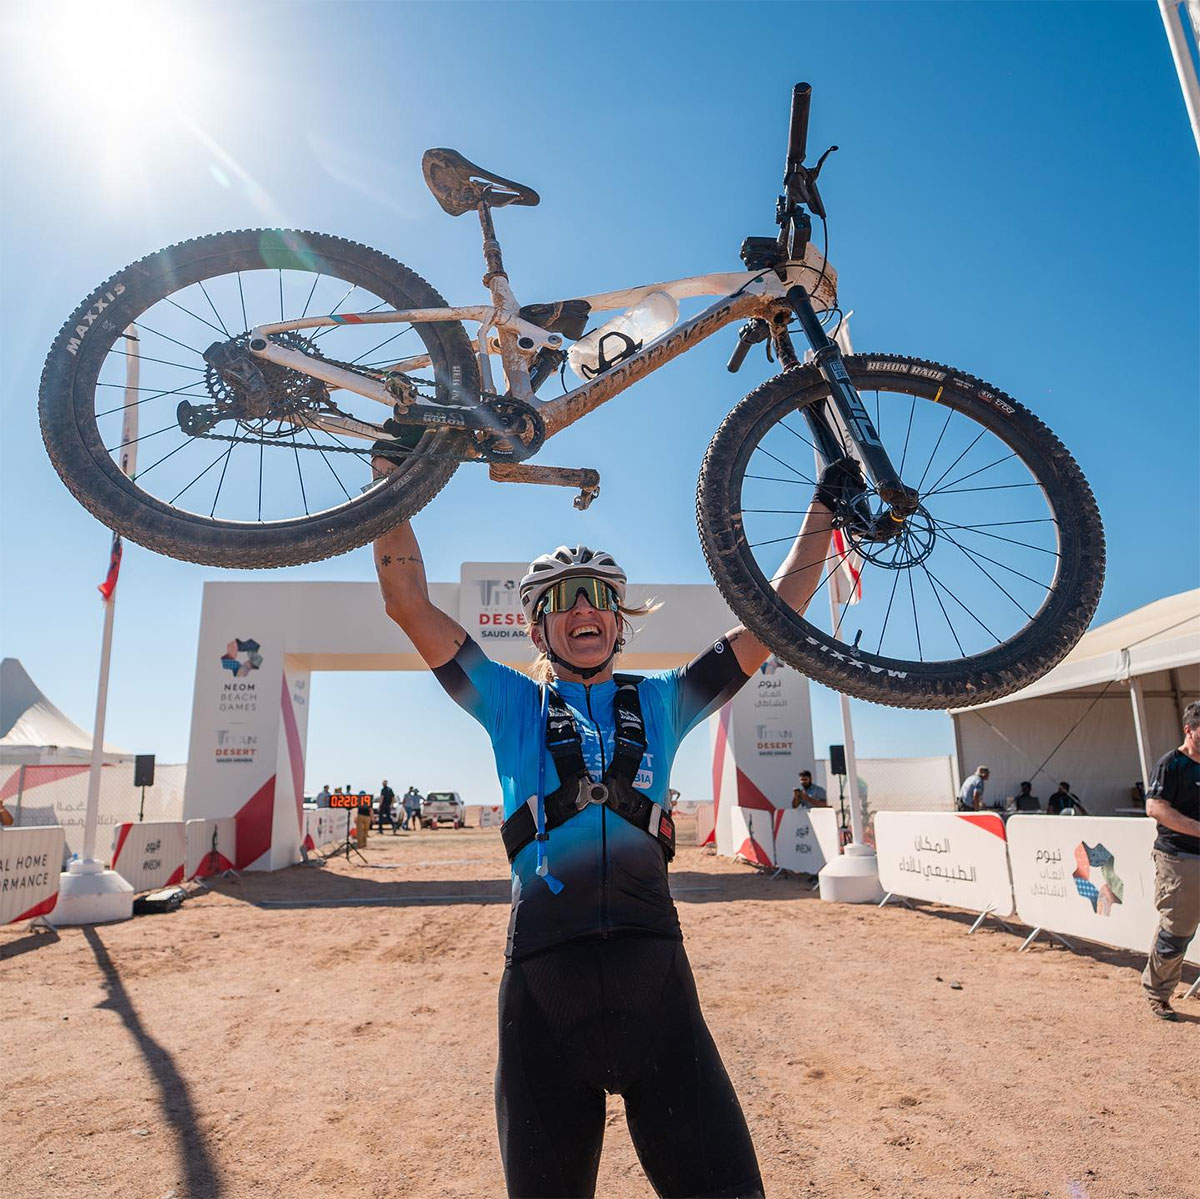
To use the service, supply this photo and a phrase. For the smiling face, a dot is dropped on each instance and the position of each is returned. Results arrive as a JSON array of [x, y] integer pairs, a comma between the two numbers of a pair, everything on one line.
[[583, 636]]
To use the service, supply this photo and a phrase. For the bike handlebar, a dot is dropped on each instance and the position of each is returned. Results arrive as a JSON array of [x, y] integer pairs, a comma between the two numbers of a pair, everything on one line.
[[798, 132]]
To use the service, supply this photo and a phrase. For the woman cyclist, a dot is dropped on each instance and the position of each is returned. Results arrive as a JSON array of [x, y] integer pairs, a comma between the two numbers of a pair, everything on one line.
[[597, 995]]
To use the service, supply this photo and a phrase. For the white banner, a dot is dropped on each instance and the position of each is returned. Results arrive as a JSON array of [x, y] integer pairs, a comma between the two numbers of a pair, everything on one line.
[[491, 816], [30, 865], [211, 846], [955, 858], [805, 839], [762, 739], [1087, 876], [705, 824], [148, 856]]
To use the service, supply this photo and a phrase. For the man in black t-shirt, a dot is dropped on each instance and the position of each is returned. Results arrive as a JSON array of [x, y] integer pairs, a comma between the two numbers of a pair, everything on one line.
[[386, 798], [1173, 799]]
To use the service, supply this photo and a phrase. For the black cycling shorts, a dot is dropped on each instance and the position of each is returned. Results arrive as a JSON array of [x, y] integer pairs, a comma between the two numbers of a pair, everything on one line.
[[619, 1015]]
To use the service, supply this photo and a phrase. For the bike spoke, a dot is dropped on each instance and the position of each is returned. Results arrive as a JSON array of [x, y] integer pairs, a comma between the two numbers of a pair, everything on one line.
[[976, 554], [242, 298], [937, 481], [777, 479], [299, 472], [949, 622], [376, 349], [979, 532], [325, 458], [907, 434], [311, 291], [214, 309], [961, 605], [143, 437], [203, 320], [888, 614], [916, 620], [174, 341], [141, 474], [963, 478], [222, 454], [785, 465], [221, 480], [933, 452], [199, 370], [994, 487]]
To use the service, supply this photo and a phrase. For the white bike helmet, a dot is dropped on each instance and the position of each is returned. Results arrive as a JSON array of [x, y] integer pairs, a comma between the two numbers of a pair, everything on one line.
[[568, 562]]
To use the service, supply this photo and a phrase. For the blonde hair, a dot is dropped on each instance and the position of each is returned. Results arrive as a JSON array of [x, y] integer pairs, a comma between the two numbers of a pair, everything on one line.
[[541, 669]]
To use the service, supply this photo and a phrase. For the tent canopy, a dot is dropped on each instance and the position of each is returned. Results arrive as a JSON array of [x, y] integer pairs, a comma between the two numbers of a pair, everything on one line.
[[1164, 635], [1101, 718], [33, 730]]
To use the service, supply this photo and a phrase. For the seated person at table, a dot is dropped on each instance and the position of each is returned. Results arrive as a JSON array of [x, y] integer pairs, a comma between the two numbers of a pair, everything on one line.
[[1062, 802], [1024, 800]]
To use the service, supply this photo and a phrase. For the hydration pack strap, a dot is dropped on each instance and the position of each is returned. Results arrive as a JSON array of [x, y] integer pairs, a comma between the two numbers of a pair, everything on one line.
[[577, 789]]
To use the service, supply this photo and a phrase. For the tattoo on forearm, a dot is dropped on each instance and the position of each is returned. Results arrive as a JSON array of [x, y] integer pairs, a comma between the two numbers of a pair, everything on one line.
[[387, 560]]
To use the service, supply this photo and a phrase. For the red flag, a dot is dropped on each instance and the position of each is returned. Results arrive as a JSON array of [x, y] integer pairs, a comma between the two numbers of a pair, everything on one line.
[[847, 575], [109, 585]]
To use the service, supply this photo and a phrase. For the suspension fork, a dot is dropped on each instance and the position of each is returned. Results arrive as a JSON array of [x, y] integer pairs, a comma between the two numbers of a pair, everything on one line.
[[891, 490]]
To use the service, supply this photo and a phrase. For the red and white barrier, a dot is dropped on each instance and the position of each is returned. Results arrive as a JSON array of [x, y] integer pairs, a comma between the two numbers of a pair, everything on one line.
[[149, 856], [491, 816], [956, 858], [1089, 877], [706, 824], [30, 866], [324, 826], [753, 835], [806, 839], [211, 847]]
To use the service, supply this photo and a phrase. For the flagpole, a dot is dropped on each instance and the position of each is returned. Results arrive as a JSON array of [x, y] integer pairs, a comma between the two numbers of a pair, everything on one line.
[[853, 876], [90, 893]]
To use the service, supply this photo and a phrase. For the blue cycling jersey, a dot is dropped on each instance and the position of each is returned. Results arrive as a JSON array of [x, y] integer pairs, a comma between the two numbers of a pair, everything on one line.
[[614, 875]]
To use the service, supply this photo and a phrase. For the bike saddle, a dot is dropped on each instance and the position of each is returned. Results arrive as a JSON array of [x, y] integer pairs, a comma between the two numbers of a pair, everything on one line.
[[459, 185]]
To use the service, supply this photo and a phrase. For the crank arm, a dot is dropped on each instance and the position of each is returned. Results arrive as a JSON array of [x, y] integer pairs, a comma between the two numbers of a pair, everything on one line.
[[586, 479]]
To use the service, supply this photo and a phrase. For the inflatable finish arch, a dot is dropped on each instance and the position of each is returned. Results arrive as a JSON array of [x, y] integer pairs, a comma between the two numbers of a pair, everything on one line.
[[260, 642]]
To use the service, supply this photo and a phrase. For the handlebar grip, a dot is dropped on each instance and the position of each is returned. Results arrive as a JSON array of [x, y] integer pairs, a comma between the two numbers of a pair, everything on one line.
[[738, 356], [798, 132]]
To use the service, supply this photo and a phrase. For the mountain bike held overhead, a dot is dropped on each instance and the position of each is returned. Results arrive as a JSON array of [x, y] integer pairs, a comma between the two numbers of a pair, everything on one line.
[[271, 363]]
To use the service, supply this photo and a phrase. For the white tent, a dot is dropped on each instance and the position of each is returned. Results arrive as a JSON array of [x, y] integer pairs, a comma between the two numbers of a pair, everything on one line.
[[1101, 718], [34, 732]]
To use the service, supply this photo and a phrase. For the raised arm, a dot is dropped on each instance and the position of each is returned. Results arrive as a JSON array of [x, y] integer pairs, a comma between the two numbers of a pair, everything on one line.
[[436, 636], [796, 580]]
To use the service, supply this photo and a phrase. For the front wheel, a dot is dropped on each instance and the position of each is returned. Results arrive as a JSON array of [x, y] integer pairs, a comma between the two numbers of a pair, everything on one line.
[[988, 584], [228, 477]]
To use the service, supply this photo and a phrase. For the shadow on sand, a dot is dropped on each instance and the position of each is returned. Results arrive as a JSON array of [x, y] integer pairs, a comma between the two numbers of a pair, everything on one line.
[[203, 1181]]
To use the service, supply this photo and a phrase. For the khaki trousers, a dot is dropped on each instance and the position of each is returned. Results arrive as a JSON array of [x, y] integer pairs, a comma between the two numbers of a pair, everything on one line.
[[1177, 897], [362, 826]]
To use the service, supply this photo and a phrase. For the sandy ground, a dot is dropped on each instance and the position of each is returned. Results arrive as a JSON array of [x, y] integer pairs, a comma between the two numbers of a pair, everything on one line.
[[238, 1049]]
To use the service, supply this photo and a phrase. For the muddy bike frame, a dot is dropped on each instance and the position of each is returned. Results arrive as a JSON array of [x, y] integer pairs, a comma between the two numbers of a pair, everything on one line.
[[742, 295], [769, 299]]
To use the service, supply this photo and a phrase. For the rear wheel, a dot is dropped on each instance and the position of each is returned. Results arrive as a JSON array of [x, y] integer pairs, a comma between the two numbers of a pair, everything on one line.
[[217, 481], [989, 584]]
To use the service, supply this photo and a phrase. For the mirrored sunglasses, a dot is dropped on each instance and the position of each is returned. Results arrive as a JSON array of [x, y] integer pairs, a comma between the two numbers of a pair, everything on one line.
[[563, 595]]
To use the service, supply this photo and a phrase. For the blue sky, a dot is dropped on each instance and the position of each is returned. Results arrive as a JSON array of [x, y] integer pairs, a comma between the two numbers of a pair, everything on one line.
[[1016, 194]]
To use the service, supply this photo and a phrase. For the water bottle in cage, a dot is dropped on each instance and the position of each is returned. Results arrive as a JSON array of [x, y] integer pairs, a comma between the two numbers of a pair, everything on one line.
[[624, 335]]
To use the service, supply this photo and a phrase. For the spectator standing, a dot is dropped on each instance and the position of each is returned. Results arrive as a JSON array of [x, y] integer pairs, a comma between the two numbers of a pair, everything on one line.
[[386, 798], [970, 794], [412, 808], [811, 795], [323, 796], [362, 822], [1173, 800]]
